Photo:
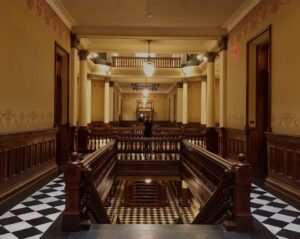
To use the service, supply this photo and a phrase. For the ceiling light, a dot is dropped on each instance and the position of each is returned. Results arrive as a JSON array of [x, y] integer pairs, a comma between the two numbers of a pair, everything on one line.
[[148, 180], [148, 66], [146, 92]]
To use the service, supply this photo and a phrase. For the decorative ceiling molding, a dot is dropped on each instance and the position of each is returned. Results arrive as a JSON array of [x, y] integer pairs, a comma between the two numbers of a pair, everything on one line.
[[44, 11], [62, 12], [240, 13], [205, 33]]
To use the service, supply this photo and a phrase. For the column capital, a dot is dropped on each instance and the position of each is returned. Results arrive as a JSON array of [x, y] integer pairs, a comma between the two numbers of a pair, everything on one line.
[[211, 56], [222, 43], [111, 84], [83, 54], [203, 77], [179, 84], [75, 40]]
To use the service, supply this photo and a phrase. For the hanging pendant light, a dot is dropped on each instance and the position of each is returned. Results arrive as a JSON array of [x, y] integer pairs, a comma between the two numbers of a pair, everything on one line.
[[148, 65]]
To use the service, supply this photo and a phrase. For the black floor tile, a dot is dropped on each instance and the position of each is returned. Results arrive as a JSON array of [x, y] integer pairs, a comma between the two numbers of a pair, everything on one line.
[[3, 230], [263, 213], [255, 205], [31, 203], [9, 220], [40, 196], [48, 211], [29, 232], [38, 221], [276, 204], [56, 203], [48, 190], [288, 234], [21, 211], [296, 221], [268, 198], [275, 222], [289, 213]]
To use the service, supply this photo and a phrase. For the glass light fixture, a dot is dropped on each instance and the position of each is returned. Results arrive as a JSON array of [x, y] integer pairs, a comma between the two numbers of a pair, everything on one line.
[[146, 92], [148, 66], [148, 180]]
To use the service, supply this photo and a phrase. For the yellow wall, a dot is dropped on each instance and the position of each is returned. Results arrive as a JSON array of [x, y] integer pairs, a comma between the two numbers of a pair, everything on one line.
[[160, 106], [194, 101], [97, 100], [27, 66], [285, 66]]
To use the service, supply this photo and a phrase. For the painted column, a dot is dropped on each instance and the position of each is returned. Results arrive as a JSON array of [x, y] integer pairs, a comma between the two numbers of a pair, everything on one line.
[[83, 101], [89, 101], [179, 103], [111, 101], [210, 117], [74, 70], [106, 102], [185, 102], [223, 81], [203, 99]]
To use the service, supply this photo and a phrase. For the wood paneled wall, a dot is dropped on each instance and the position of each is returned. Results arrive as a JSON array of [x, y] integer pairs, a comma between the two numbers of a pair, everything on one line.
[[232, 142], [284, 164], [24, 158]]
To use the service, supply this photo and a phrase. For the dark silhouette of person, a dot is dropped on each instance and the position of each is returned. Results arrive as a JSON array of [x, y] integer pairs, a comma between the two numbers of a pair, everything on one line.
[[148, 127]]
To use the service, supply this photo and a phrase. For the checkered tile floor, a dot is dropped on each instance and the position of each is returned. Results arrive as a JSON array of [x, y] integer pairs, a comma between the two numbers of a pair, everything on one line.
[[280, 218], [32, 217], [150, 215]]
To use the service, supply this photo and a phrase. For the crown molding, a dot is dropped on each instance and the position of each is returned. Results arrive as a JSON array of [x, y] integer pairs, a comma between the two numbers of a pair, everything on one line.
[[204, 33], [62, 12], [240, 13]]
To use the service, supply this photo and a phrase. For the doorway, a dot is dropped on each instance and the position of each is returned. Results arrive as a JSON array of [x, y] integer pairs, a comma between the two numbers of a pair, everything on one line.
[[61, 104], [258, 114]]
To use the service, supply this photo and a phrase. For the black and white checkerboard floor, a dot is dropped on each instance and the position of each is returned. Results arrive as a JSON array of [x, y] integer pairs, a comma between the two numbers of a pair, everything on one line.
[[280, 218], [32, 217], [151, 215]]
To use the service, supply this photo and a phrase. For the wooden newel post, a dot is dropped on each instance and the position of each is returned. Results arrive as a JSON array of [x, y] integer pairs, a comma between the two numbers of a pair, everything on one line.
[[72, 176], [241, 195]]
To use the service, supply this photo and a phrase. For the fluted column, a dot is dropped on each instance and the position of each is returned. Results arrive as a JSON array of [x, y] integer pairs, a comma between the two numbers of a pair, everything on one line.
[[89, 101], [179, 103], [211, 133], [185, 102], [106, 102], [82, 117], [223, 80], [203, 99], [210, 118], [83, 101]]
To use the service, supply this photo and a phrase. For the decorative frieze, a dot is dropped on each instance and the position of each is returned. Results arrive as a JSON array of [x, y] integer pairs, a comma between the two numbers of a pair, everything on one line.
[[287, 122], [42, 9], [257, 15]]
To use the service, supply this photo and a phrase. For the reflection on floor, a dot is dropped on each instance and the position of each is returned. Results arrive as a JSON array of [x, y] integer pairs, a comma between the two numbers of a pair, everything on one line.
[[151, 215]]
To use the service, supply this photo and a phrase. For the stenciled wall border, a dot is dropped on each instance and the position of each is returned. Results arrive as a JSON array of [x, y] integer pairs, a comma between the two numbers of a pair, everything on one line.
[[257, 15], [47, 14]]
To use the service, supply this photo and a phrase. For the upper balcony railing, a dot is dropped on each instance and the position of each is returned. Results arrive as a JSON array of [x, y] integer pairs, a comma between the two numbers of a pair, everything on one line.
[[137, 62]]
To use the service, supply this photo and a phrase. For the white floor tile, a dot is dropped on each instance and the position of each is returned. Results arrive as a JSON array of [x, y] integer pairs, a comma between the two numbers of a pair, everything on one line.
[[29, 216], [270, 209], [35, 237], [19, 206], [260, 218], [17, 226], [282, 217], [292, 209], [53, 216], [272, 229], [293, 227], [7, 215], [260, 201], [44, 226], [48, 199], [8, 236], [40, 207]]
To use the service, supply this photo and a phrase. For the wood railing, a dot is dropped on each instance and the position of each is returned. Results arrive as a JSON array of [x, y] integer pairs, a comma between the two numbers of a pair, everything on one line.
[[225, 187], [222, 188], [137, 62], [88, 184]]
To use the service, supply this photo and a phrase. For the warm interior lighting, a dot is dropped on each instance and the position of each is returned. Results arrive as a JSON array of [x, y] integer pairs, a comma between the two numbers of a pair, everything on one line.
[[148, 180], [148, 66], [146, 92], [144, 102]]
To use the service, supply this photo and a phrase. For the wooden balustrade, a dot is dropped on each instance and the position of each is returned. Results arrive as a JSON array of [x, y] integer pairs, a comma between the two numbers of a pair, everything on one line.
[[138, 62], [88, 184], [25, 157], [225, 187]]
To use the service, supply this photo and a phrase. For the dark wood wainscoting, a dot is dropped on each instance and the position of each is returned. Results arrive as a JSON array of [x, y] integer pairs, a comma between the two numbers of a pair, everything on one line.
[[284, 164], [25, 157], [232, 142]]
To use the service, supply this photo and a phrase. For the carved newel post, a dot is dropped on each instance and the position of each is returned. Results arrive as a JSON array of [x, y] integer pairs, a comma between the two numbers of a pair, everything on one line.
[[72, 176]]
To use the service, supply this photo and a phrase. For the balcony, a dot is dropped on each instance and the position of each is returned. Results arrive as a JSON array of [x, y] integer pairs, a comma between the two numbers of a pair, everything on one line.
[[137, 62]]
